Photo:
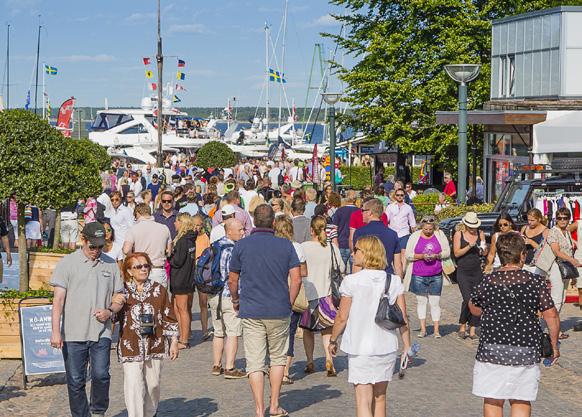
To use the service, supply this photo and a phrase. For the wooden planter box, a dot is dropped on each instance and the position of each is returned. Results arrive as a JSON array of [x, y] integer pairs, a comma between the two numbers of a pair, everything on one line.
[[10, 325], [40, 269]]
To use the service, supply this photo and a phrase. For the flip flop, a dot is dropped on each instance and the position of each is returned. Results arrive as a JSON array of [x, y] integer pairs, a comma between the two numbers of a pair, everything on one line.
[[563, 336], [183, 345], [283, 413]]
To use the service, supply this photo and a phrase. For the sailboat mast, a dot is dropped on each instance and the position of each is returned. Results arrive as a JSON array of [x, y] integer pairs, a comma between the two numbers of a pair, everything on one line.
[[282, 66], [267, 80], [8, 68], [160, 61], [36, 76]]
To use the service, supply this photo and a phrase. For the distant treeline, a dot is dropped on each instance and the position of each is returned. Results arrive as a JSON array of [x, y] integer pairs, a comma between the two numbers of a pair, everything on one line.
[[241, 113]]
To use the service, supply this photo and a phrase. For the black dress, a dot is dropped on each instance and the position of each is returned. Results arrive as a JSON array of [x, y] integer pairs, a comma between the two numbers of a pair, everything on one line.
[[182, 263], [469, 274]]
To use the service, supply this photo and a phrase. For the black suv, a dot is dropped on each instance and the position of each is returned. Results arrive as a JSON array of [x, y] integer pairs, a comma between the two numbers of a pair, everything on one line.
[[519, 193]]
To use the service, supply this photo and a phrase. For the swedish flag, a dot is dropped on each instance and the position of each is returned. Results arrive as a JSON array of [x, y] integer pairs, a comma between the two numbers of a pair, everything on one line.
[[50, 70], [276, 76]]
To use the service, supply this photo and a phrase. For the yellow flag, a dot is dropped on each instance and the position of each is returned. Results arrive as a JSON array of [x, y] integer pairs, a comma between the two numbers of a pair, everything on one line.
[[149, 74]]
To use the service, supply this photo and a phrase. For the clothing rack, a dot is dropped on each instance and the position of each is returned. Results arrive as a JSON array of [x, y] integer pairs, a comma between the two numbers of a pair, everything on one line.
[[559, 194]]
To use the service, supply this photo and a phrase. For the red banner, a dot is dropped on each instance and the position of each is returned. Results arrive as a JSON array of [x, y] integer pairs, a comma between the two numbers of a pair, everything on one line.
[[65, 115]]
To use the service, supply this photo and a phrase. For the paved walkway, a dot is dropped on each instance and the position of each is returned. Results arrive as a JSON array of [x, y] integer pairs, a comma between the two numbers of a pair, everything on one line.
[[437, 385]]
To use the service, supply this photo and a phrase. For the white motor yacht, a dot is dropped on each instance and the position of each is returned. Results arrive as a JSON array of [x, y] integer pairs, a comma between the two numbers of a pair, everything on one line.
[[136, 127]]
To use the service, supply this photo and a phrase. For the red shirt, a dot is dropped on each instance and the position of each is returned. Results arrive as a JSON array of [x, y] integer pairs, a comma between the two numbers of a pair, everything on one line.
[[450, 189], [357, 219]]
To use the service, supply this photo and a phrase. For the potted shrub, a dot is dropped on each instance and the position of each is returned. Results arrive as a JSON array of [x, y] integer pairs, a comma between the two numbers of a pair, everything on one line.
[[41, 264]]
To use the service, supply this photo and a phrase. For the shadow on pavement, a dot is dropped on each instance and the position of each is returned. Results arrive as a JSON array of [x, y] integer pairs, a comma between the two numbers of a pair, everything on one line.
[[198, 407], [298, 399]]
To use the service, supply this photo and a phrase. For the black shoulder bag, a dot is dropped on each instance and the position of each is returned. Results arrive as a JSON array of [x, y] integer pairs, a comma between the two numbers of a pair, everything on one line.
[[336, 278], [389, 316]]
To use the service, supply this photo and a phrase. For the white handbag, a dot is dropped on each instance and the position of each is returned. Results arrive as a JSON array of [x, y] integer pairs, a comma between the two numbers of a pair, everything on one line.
[[544, 257]]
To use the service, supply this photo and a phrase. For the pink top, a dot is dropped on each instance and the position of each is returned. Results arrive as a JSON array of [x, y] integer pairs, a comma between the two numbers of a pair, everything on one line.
[[424, 268], [13, 210]]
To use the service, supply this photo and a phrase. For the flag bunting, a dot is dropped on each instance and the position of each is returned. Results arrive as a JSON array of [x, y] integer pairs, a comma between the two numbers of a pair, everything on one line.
[[176, 99], [181, 63], [152, 86], [149, 74], [146, 61], [180, 76]]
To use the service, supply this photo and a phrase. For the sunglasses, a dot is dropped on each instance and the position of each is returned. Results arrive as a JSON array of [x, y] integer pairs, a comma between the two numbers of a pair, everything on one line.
[[562, 218], [166, 201], [139, 267], [399, 195], [504, 224], [95, 247]]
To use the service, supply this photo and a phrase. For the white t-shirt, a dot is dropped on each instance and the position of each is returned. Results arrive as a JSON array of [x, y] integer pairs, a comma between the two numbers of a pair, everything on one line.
[[274, 177], [296, 174], [217, 233], [299, 251], [362, 335]]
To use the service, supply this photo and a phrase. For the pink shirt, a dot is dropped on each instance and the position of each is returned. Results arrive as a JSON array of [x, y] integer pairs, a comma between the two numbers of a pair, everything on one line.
[[400, 218]]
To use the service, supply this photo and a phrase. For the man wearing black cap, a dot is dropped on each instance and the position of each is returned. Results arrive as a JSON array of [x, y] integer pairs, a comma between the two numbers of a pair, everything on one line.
[[154, 186], [87, 293]]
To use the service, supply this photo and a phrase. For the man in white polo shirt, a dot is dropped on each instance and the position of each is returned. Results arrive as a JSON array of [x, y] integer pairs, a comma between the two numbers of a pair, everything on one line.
[[152, 238]]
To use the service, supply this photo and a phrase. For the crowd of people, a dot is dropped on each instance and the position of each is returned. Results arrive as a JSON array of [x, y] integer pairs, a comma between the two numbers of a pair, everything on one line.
[[266, 254]]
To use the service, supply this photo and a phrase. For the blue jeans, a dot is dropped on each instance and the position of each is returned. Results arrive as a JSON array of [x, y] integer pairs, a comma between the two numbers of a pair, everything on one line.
[[346, 256], [77, 355]]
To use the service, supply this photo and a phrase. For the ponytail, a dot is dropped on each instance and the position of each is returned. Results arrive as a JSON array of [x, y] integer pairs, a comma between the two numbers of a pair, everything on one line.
[[318, 224]]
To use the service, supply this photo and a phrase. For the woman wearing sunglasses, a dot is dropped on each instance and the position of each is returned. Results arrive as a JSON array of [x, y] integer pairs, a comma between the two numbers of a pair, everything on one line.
[[504, 224], [148, 333], [561, 243]]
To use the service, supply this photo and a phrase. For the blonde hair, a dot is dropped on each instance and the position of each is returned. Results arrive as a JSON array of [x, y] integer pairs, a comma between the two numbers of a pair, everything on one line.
[[374, 252], [318, 224], [186, 225], [254, 203], [310, 194], [283, 227]]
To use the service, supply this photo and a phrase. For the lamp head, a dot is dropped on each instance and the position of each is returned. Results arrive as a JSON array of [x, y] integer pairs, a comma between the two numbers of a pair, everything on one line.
[[331, 98], [463, 73]]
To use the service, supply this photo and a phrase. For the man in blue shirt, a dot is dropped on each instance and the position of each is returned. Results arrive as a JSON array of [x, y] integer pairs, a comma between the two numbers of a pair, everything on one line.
[[263, 264], [372, 212]]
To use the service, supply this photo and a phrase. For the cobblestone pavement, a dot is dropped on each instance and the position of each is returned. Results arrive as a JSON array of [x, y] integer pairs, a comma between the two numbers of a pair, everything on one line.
[[438, 384]]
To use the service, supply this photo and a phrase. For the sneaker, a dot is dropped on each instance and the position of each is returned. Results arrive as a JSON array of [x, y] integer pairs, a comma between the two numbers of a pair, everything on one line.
[[217, 370], [234, 373]]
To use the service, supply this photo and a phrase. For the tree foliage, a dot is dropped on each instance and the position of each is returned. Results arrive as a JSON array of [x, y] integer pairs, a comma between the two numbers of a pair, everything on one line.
[[401, 47], [215, 155], [42, 167]]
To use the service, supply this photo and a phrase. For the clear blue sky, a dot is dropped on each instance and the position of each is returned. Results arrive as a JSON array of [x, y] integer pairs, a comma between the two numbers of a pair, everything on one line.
[[98, 46]]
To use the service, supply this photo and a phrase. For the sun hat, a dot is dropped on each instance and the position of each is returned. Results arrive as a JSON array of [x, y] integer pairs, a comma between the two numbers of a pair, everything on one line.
[[295, 185], [471, 220]]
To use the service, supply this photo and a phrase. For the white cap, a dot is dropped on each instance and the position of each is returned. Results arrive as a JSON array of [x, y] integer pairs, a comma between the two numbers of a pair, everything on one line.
[[228, 210]]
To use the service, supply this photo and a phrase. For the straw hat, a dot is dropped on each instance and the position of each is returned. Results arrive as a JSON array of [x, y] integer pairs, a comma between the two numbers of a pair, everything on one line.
[[471, 220]]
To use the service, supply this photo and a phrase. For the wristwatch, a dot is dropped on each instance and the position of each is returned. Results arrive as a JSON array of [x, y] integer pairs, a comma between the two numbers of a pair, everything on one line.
[[333, 342]]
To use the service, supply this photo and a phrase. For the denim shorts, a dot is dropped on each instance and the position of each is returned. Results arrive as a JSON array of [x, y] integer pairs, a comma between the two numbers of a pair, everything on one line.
[[403, 241], [426, 285]]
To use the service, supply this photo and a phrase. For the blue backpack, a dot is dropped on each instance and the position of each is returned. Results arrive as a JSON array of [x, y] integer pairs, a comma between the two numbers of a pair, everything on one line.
[[207, 276]]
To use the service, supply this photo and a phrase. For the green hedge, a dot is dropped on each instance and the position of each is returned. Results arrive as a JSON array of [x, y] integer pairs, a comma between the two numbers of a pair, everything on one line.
[[457, 211], [361, 176], [424, 203]]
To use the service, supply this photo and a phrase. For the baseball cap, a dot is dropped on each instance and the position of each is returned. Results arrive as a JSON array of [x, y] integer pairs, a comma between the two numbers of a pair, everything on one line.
[[155, 176], [227, 210], [94, 232]]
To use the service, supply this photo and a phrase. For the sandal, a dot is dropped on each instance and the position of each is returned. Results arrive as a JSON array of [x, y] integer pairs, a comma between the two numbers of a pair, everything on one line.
[[281, 412], [422, 334], [462, 335], [331, 372], [563, 336], [437, 336], [183, 345], [287, 380], [207, 335], [309, 368]]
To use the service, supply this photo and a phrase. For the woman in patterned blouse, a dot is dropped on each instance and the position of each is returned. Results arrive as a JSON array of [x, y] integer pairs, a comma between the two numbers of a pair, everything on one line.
[[148, 333]]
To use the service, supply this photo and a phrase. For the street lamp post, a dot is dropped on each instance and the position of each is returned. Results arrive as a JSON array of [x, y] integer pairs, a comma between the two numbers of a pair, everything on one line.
[[331, 99], [462, 74]]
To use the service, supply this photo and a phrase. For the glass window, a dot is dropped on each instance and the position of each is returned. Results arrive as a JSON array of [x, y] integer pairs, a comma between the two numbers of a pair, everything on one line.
[[105, 121], [133, 130]]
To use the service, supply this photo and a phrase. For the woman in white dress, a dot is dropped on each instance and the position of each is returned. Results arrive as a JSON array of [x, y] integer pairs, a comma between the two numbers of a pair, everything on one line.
[[372, 350], [507, 360]]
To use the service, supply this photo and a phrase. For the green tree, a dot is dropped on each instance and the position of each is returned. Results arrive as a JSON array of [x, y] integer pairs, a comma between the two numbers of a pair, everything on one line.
[[401, 48], [215, 155], [43, 168]]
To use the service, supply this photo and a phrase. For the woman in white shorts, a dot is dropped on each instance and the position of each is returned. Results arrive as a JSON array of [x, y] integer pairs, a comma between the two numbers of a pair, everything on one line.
[[372, 350], [507, 361]]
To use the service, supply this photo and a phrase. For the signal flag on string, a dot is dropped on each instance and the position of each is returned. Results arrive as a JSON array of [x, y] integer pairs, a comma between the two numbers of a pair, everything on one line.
[[180, 76], [152, 86], [181, 64], [176, 99], [146, 61], [180, 88], [149, 74]]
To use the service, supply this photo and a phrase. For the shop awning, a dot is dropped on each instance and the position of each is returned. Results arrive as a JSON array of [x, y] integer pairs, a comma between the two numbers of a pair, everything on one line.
[[561, 132], [493, 117]]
